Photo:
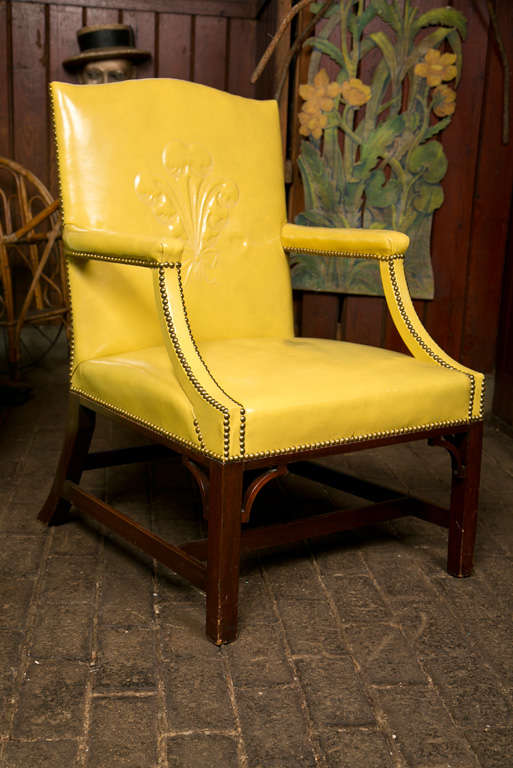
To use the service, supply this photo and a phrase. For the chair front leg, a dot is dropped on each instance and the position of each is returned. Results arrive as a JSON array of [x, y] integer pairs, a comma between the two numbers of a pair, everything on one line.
[[464, 501], [79, 432], [223, 551]]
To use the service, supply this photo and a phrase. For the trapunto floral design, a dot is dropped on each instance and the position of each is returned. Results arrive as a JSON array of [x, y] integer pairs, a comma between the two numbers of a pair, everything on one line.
[[191, 201]]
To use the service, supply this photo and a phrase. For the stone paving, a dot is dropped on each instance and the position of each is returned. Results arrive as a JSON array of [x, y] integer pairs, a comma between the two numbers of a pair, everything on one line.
[[356, 651]]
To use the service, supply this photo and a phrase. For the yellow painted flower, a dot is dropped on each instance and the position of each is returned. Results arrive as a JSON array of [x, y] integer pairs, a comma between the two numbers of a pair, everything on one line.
[[445, 99], [436, 67], [319, 98], [355, 93], [312, 124], [320, 95]]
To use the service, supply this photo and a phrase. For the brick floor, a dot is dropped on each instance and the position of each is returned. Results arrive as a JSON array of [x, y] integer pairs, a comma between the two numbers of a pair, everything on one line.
[[357, 651]]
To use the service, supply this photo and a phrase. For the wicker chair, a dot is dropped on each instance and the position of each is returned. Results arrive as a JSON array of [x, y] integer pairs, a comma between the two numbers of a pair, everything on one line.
[[31, 252]]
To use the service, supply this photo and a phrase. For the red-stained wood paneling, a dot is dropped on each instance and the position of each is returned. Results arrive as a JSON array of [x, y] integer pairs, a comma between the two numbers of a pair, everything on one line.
[[492, 197], [242, 42], [210, 36], [175, 46], [5, 96], [503, 397], [29, 84], [63, 24], [143, 23], [452, 222], [94, 16], [243, 9], [363, 320], [320, 315]]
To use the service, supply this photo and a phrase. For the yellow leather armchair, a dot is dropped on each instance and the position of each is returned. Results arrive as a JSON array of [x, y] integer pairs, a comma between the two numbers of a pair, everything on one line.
[[176, 237]]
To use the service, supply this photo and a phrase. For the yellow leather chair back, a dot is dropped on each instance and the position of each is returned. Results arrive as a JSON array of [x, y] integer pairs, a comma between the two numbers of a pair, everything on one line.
[[173, 159]]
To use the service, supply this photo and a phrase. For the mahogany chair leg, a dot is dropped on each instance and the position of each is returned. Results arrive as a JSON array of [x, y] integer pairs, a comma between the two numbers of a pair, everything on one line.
[[464, 502], [81, 421], [223, 551]]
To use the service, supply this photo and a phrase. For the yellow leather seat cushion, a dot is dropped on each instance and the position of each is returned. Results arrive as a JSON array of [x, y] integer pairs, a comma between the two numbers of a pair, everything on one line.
[[305, 391], [141, 384], [296, 392]]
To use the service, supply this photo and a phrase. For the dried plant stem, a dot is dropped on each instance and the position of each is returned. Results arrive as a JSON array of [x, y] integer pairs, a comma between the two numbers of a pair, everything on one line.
[[297, 45], [277, 37]]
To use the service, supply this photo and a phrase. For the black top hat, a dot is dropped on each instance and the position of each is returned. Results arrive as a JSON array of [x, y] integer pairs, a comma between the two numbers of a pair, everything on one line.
[[111, 41]]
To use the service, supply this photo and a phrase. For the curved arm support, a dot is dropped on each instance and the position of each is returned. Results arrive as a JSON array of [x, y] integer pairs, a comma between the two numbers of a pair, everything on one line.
[[220, 420], [138, 250], [379, 244], [415, 336]]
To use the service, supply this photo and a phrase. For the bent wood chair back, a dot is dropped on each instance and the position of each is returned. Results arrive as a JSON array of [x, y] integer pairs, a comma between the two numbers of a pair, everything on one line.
[[176, 240], [31, 261]]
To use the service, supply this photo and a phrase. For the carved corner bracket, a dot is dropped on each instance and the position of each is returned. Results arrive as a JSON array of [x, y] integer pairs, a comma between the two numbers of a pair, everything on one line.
[[451, 444]]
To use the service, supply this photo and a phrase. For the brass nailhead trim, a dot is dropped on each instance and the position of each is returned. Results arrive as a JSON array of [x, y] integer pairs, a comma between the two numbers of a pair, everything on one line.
[[420, 341], [136, 420], [242, 433], [354, 254], [264, 454], [360, 438], [72, 325], [184, 362], [198, 432], [135, 262]]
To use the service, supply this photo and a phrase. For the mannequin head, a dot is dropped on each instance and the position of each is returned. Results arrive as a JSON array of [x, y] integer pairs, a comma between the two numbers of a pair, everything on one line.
[[107, 54], [107, 71]]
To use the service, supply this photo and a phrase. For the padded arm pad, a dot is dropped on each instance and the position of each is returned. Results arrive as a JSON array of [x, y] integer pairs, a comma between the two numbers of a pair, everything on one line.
[[140, 250], [380, 244]]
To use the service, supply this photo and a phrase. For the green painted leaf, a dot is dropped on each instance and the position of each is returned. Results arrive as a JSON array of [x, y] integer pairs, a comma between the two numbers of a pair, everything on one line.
[[439, 126], [376, 144], [388, 13], [388, 52], [366, 46], [428, 197], [319, 192], [317, 218], [358, 23], [324, 46], [316, 7], [332, 154], [428, 160], [366, 17], [443, 17], [380, 194]]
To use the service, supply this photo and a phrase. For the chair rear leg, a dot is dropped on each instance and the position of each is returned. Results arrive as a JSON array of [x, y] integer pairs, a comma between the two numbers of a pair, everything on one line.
[[79, 432], [464, 502], [223, 551]]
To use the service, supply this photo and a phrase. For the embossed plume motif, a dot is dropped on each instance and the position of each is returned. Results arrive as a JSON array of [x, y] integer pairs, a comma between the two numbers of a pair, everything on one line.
[[190, 200]]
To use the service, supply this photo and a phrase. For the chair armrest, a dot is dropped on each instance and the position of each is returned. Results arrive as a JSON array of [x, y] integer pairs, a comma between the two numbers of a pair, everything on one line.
[[388, 248], [138, 250], [380, 244]]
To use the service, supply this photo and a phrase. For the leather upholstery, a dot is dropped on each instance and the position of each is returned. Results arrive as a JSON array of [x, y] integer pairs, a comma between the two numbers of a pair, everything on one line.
[[176, 237]]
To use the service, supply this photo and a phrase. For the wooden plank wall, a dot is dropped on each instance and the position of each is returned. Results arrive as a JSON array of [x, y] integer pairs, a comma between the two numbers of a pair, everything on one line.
[[469, 231], [214, 42]]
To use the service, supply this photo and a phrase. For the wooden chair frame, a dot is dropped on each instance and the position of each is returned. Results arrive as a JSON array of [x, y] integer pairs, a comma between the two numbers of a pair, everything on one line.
[[212, 564]]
